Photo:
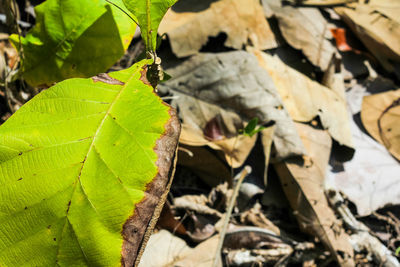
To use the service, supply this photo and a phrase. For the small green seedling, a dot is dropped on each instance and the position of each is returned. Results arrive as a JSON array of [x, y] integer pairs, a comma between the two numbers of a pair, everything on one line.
[[251, 128]]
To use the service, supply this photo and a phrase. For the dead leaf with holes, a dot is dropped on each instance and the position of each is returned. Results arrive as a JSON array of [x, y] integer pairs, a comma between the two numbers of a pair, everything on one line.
[[380, 115], [303, 183], [377, 24], [243, 21], [306, 99]]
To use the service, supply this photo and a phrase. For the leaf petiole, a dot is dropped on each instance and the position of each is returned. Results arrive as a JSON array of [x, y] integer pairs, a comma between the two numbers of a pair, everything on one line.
[[126, 13]]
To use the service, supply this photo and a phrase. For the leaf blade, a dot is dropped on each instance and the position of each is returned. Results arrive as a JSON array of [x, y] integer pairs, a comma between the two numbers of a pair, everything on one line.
[[65, 28], [149, 14], [76, 190]]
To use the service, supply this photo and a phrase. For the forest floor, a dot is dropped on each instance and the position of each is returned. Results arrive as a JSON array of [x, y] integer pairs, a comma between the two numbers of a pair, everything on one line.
[[290, 145]]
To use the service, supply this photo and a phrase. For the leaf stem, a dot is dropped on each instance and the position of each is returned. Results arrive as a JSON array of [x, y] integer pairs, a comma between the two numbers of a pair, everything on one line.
[[243, 174], [126, 13]]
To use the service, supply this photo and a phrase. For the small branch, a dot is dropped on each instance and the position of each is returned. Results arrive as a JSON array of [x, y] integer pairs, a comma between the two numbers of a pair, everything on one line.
[[361, 238], [240, 177]]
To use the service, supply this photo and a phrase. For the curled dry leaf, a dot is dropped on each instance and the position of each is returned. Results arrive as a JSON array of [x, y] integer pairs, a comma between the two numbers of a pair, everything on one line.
[[380, 115], [305, 99], [242, 20], [236, 83], [307, 30], [303, 183], [377, 24]]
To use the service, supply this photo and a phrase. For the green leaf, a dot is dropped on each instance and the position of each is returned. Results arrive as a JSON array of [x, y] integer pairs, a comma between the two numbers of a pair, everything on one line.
[[398, 251], [74, 39], [149, 14], [250, 128], [83, 165]]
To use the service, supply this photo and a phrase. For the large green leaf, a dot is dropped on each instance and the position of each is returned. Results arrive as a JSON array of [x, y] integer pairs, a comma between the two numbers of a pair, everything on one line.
[[149, 14], [83, 165], [74, 39]]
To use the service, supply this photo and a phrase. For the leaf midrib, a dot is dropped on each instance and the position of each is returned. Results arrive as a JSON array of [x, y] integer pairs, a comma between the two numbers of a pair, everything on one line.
[[148, 3], [86, 157], [56, 48]]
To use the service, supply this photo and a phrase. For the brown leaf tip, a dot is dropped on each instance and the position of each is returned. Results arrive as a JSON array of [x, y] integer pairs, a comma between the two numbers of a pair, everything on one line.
[[143, 76], [138, 227], [105, 78]]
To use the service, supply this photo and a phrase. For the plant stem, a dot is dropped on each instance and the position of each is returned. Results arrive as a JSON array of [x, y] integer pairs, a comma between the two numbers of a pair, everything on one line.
[[240, 177]]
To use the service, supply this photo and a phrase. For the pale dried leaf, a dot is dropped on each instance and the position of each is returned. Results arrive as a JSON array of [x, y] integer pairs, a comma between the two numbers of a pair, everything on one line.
[[202, 255], [371, 179], [303, 183], [164, 249], [307, 30], [235, 82], [241, 20], [380, 115], [305, 99], [377, 24]]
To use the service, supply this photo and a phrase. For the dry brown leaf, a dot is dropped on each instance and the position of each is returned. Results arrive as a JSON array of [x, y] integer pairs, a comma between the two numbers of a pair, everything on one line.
[[256, 217], [305, 28], [236, 149], [202, 255], [324, 2], [168, 221], [233, 85], [380, 115], [209, 166], [303, 183], [305, 99], [389, 8], [242, 20], [377, 24]]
